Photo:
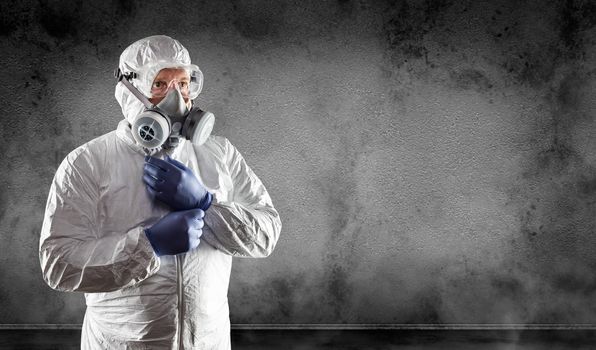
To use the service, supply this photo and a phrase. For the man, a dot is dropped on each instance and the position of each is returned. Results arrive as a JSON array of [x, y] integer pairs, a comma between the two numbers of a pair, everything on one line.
[[148, 233]]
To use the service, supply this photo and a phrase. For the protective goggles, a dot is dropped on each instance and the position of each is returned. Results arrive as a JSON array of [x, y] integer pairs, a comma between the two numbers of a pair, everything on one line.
[[160, 88], [144, 80]]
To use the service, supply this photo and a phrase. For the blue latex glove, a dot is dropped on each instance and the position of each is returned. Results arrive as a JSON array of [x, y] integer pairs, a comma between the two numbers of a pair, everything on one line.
[[177, 232], [175, 184]]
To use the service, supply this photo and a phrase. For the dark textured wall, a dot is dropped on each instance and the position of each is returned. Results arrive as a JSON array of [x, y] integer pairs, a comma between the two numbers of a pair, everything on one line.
[[433, 161]]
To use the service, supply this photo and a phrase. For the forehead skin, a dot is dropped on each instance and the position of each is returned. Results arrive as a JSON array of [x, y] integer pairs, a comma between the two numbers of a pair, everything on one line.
[[169, 74]]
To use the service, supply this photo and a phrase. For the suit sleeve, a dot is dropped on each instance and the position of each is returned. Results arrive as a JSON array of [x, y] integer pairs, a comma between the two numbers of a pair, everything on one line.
[[75, 254], [248, 225]]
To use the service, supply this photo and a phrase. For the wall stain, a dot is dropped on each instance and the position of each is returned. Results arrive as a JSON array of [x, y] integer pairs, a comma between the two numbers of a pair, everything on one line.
[[566, 101], [73, 23], [587, 186], [471, 79], [562, 216], [336, 185], [567, 284], [425, 308], [14, 222], [341, 258], [3, 201], [576, 17], [508, 286], [61, 19], [554, 160], [567, 94], [255, 21], [567, 184], [284, 292], [338, 288], [55, 310], [534, 60], [124, 8], [406, 25], [528, 60], [39, 84], [528, 226], [12, 16], [346, 7], [573, 99], [534, 66], [283, 297], [575, 284]]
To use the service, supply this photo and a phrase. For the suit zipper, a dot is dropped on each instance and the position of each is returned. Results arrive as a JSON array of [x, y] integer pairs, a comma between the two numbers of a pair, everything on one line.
[[180, 290]]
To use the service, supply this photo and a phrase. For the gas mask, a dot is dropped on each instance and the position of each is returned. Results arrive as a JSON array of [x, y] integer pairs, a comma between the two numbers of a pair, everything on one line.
[[163, 124]]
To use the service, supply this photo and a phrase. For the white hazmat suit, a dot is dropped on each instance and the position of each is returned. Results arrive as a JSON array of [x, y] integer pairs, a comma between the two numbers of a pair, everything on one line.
[[93, 238]]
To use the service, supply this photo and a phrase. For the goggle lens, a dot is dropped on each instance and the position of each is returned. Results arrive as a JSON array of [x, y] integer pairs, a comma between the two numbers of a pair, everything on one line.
[[161, 88]]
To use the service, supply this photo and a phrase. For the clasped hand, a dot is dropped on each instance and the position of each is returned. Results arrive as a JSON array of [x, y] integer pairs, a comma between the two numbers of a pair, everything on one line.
[[174, 184]]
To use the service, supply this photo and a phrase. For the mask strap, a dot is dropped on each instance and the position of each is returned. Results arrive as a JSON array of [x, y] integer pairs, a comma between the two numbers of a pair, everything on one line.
[[124, 80]]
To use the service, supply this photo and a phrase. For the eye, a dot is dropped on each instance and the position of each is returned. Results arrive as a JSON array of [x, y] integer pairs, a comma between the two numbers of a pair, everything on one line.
[[183, 84], [159, 85]]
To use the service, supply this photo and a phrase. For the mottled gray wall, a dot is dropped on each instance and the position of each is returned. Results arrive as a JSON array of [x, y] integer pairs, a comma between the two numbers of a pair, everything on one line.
[[433, 161]]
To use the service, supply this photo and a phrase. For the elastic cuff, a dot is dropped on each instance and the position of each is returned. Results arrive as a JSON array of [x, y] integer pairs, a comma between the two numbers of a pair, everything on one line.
[[148, 234], [206, 202]]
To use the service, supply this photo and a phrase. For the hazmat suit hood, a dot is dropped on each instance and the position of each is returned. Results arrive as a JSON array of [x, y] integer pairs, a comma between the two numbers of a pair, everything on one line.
[[145, 58]]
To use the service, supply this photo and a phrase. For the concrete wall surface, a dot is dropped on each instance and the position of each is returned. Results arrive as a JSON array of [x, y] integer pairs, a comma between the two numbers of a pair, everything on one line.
[[432, 161]]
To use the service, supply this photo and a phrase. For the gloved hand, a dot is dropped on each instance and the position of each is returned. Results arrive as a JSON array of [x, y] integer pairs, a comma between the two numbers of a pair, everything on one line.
[[177, 232], [174, 184]]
